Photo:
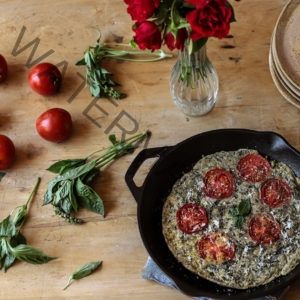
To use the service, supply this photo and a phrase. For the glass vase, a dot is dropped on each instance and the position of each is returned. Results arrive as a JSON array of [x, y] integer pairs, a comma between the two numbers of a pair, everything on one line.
[[194, 82]]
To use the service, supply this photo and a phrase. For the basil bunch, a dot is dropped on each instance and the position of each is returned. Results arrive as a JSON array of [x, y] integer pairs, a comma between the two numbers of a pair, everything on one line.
[[13, 242], [71, 189], [99, 78]]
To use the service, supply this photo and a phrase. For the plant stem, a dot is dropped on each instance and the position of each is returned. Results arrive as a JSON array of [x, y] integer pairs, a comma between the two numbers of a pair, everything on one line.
[[115, 150], [32, 193], [106, 161], [123, 144], [68, 283], [120, 54]]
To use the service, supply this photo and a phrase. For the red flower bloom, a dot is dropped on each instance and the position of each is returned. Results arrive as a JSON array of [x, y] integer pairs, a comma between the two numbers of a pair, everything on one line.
[[147, 35], [209, 18], [140, 10], [180, 39]]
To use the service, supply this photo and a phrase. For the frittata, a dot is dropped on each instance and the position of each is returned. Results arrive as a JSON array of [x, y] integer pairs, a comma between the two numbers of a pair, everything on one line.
[[231, 247]]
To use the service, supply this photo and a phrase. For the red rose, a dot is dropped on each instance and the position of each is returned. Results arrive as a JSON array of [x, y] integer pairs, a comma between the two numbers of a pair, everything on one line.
[[170, 41], [140, 10], [147, 35], [209, 18]]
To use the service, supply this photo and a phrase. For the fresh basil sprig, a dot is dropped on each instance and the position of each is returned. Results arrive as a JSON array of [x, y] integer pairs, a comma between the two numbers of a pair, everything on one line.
[[71, 188], [83, 271], [239, 212], [13, 242], [99, 78]]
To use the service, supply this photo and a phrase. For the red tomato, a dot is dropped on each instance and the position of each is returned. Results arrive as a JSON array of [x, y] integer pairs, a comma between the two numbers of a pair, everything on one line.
[[7, 152], [253, 168], [275, 192], [3, 68], [264, 229], [54, 125], [218, 184], [191, 218], [216, 247], [45, 79]]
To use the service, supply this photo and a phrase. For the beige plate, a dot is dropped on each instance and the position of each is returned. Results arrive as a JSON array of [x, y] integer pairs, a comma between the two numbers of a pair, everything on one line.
[[287, 41], [283, 91], [280, 72], [276, 67]]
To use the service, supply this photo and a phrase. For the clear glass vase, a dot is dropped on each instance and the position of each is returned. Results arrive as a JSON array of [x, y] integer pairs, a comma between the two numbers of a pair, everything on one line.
[[194, 82]]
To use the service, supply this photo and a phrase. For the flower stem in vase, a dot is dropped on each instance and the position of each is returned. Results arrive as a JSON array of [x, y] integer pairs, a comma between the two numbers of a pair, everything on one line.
[[194, 82]]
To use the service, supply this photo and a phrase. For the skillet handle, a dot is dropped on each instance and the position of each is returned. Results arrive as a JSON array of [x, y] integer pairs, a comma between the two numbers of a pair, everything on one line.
[[136, 164]]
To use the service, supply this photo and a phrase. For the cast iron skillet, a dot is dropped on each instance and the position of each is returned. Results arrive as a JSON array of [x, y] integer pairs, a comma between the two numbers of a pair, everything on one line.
[[171, 163]]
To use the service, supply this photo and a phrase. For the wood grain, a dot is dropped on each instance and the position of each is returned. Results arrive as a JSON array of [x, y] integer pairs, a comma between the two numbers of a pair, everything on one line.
[[248, 98]]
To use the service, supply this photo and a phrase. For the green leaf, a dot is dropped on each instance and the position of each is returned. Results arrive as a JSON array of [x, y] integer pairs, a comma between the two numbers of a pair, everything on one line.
[[95, 91], [7, 258], [50, 192], [113, 139], [232, 19], [57, 188], [30, 255], [7, 227], [72, 197], [65, 205], [89, 198], [64, 198], [88, 59], [238, 220], [196, 45], [234, 211], [17, 239], [90, 176], [20, 216], [62, 166], [75, 172], [83, 271], [65, 186], [2, 174], [244, 207], [61, 192], [80, 62], [2, 247]]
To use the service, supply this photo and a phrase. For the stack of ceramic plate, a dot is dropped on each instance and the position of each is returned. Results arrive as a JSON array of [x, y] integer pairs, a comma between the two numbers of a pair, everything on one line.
[[284, 58]]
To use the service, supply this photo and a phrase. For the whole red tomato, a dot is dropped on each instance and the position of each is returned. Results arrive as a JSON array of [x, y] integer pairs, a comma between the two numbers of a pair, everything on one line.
[[45, 79], [7, 152], [54, 125], [3, 68]]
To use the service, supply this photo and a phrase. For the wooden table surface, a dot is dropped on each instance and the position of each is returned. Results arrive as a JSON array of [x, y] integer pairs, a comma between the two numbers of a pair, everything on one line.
[[248, 99]]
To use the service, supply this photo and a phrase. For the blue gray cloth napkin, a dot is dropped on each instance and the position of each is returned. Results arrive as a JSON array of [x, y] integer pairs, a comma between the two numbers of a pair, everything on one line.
[[152, 272]]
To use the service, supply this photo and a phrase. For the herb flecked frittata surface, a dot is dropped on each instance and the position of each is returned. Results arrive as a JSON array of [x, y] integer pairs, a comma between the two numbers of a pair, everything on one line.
[[253, 264]]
